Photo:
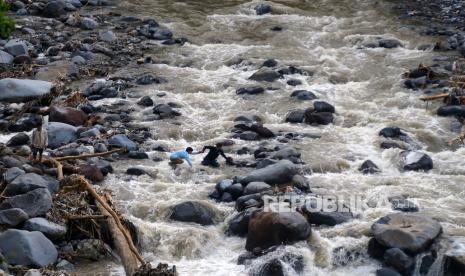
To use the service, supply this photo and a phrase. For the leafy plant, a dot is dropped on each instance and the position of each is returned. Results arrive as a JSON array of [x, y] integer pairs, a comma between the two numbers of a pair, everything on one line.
[[7, 25]]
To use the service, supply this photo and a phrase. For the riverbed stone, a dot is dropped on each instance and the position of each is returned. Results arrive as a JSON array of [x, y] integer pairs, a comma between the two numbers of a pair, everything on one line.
[[88, 23], [304, 95], [13, 173], [6, 58], [60, 134], [416, 161], [30, 181], [318, 118], [193, 211], [27, 248], [408, 232], [91, 172], [368, 167], [265, 74], [22, 90], [16, 47], [276, 174], [251, 90], [262, 9], [397, 259], [67, 115], [235, 190], [54, 9], [239, 223], [267, 229], [122, 140], [295, 116], [34, 203], [51, 230], [256, 187], [12, 217], [19, 139], [107, 36]]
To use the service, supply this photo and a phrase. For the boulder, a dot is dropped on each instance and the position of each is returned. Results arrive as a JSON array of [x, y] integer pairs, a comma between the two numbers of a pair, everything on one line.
[[28, 182], [410, 233], [165, 111], [397, 259], [93, 132], [415, 161], [321, 106], [6, 58], [375, 249], [452, 110], [107, 36], [145, 101], [262, 131], [122, 140], [19, 139], [10, 161], [235, 190], [265, 74], [304, 95], [65, 265], [287, 264], [239, 224], [248, 201], [301, 183], [318, 215], [135, 171], [54, 9], [389, 43], [27, 122], [103, 165], [267, 229], [276, 174], [368, 167], [12, 217], [318, 118], [91, 172], [252, 90], [262, 9], [294, 82], [67, 115], [51, 230], [196, 212], [60, 134], [287, 153], [256, 187], [391, 132], [88, 23], [387, 272], [16, 47], [34, 203], [270, 63], [22, 90], [223, 185], [149, 79], [295, 116], [12, 173]]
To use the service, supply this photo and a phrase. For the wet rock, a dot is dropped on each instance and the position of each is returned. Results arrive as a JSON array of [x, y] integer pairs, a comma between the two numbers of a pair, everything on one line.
[[416, 161], [281, 266], [60, 134], [22, 90], [287, 153], [122, 140], [304, 95], [16, 47], [253, 90], [389, 43], [249, 136], [135, 171], [93, 132], [13, 161], [223, 185], [107, 36], [417, 83], [375, 249], [103, 165], [138, 155], [256, 187], [33, 272], [265, 74], [391, 132], [12, 217], [30, 181], [100, 147], [78, 60], [387, 272], [267, 229], [452, 110], [88, 23], [149, 79], [295, 116], [51, 230], [145, 101], [276, 174], [54, 9], [399, 260], [191, 211], [27, 248], [91, 172], [248, 201], [301, 183], [6, 58], [165, 111], [19, 139], [239, 224], [294, 82], [66, 266], [262, 131], [262, 9], [391, 145], [67, 115], [403, 204], [368, 167], [235, 190], [318, 215], [35, 203], [27, 122], [91, 249], [320, 106], [410, 233], [270, 63], [22, 59], [318, 118], [12, 173], [276, 28]]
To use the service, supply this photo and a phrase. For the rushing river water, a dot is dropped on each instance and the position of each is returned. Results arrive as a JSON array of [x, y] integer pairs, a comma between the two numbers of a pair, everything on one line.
[[364, 84]]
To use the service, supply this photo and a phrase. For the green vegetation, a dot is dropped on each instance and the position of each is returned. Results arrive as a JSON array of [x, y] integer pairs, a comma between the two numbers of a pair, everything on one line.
[[7, 25]]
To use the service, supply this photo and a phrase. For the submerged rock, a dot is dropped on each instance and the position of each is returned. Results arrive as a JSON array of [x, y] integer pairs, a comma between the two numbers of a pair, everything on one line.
[[416, 161], [265, 74], [22, 90], [191, 211], [411, 233], [368, 167], [27, 248], [262, 9], [267, 229], [253, 90], [304, 95]]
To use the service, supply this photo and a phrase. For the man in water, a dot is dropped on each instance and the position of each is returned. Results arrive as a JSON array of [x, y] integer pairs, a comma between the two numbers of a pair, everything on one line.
[[214, 152], [178, 157], [39, 142]]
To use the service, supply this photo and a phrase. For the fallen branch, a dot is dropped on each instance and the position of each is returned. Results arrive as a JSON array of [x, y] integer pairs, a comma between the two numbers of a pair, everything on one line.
[[87, 217], [435, 97], [84, 156]]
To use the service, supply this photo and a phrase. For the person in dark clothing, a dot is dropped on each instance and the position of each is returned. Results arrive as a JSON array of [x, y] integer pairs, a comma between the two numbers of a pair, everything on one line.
[[213, 154]]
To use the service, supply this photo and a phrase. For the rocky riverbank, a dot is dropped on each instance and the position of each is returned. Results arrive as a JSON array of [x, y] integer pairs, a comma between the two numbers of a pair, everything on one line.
[[63, 57]]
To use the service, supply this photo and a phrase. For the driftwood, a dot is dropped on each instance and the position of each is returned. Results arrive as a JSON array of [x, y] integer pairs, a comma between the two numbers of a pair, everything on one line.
[[84, 156], [435, 97]]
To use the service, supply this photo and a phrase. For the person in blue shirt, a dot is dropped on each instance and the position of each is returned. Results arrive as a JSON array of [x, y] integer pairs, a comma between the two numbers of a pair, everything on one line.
[[178, 157]]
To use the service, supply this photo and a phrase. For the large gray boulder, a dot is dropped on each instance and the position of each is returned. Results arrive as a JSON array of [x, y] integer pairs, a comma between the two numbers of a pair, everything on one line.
[[122, 141], [12, 173], [256, 187], [26, 248], [239, 224], [416, 161], [20, 90], [12, 217], [267, 229], [197, 212], [28, 182], [35, 203], [276, 174], [6, 58], [16, 47], [60, 134], [411, 233], [265, 74], [51, 230]]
